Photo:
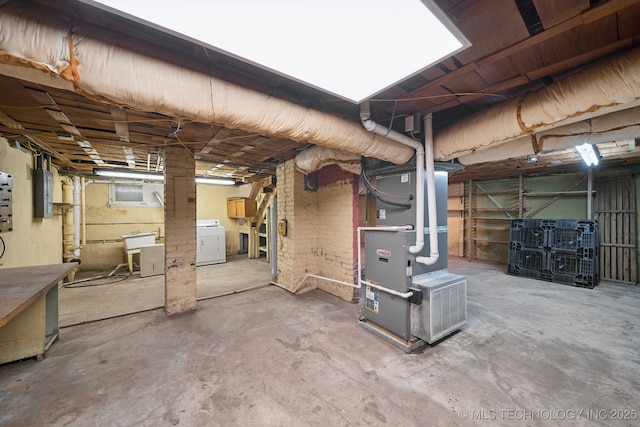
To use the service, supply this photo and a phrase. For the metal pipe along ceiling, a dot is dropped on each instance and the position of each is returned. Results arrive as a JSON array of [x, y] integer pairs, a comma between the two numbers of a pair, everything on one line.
[[102, 65]]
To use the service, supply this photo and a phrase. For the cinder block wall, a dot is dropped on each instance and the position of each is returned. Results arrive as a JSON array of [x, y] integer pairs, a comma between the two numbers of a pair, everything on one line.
[[321, 235]]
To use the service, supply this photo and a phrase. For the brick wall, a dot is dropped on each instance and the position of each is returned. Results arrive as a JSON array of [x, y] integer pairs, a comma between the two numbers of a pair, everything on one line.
[[338, 221], [296, 250], [321, 230], [180, 231]]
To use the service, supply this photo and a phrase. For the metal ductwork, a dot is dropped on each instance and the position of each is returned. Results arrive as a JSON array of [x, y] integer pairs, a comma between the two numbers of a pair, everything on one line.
[[42, 46], [609, 86]]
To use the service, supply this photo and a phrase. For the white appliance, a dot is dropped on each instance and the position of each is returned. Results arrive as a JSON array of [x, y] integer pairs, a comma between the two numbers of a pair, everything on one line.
[[211, 244], [151, 260], [133, 242]]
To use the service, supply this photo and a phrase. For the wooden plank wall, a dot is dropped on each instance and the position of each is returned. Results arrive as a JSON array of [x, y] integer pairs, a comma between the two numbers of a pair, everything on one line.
[[455, 220], [615, 210]]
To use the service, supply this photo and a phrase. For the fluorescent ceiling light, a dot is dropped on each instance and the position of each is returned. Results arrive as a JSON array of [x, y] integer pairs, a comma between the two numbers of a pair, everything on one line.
[[352, 49], [215, 181], [114, 173], [588, 153], [128, 174]]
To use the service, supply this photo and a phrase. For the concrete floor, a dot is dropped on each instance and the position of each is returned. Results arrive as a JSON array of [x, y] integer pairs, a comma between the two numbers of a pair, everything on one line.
[[532, 353], [97, 301]]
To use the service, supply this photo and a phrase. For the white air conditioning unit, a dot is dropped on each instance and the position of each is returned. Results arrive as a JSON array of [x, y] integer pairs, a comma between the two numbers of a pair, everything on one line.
[[443, 308]]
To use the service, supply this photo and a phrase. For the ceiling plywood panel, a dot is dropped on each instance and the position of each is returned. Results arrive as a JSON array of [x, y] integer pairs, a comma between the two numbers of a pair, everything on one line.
[[527, 60], [553, 12], [628, 21], [503, 20], [449, 64], [471, 82], [498, 71], [432, 73], [579, 40], [97, 120], [194, 131]]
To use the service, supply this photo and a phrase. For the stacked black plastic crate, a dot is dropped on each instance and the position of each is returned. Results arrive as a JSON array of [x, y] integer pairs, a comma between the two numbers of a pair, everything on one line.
[[556, 250]]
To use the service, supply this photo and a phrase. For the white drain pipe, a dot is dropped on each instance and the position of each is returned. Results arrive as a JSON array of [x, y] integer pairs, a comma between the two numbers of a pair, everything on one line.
[[76, 217], [421, 159], [431, 195], [67, 226]]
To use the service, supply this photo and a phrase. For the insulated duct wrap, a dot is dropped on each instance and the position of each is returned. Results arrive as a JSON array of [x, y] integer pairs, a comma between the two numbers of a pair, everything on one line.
[[609, 86], [102, 67], [315, 158], [618, 126], [36, 39]]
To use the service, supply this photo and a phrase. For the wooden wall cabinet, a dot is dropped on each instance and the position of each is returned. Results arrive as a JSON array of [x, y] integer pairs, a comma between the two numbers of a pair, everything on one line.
[[241, 207]]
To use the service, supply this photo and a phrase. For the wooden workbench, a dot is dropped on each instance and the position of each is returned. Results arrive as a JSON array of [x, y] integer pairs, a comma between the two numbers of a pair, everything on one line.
[[29, 309]]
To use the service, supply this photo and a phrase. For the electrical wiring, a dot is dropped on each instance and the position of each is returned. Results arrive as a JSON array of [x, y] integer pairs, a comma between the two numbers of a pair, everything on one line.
[[393, 115], [71, 108], [96, 281], [444, 95], [379, 195], [376, 190], [105, 279], [24, 107], [183, 144], [25, 143], [231, 138]]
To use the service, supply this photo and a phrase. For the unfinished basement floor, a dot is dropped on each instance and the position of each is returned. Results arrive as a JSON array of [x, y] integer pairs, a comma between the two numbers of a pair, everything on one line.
[[124, 293], [533, 352]]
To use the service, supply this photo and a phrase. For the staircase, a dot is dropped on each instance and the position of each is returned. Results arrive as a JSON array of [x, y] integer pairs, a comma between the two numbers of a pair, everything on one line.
[[259, 238]]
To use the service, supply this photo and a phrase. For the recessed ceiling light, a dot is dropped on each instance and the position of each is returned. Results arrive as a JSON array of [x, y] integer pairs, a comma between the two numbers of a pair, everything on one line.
[[352, 49]]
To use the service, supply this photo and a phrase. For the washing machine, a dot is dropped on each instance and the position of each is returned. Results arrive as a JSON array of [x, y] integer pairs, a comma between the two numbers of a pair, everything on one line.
[[211, 244]]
